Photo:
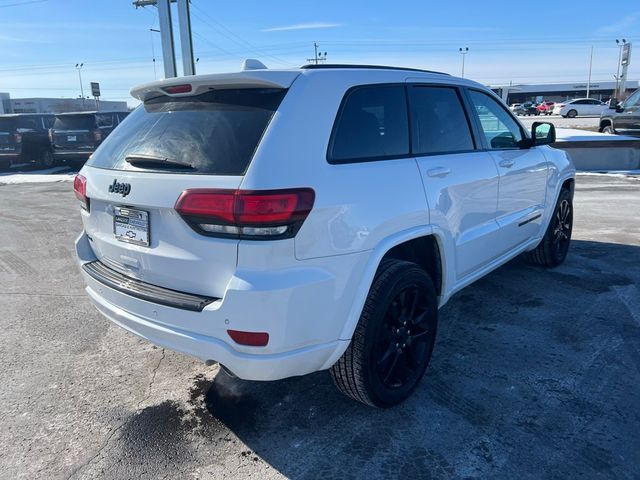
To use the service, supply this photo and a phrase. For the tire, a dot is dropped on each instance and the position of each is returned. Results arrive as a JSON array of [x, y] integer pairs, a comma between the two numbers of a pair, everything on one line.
[[572, 113], [554, 246], [5, 165], [384, 362], [608, 129], [46, 159]]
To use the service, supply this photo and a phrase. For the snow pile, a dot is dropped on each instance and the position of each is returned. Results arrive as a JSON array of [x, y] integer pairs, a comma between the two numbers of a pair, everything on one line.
[[57, 174]]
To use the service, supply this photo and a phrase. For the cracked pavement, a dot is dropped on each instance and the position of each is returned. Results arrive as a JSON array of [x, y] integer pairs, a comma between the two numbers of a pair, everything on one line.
[[535, 374]]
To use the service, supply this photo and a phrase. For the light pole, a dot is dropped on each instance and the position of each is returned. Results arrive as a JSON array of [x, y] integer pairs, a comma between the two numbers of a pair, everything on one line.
[[463, 52], [153, 52], [79, 68], [318, 56], [620, 44]]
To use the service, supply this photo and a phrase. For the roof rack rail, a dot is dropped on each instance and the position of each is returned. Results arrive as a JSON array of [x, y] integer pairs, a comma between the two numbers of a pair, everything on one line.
[[313, 66]]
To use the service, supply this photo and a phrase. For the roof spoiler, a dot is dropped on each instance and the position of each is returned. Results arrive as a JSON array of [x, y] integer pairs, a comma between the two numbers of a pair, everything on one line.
[[197, 84]]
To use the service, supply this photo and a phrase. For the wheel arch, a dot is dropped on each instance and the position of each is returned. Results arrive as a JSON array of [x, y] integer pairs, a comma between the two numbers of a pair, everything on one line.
[[401, 246], [605, 122]]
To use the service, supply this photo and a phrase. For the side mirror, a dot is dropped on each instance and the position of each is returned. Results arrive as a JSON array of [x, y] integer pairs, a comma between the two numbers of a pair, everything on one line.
[[543, 133], [613, 104]]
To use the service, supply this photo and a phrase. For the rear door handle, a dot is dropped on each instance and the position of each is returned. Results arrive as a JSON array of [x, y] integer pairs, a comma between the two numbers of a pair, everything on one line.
[[439, 172], [507, 163]]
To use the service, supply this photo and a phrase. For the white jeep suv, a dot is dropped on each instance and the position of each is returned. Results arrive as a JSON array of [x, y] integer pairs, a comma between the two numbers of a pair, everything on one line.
[[281, 222]]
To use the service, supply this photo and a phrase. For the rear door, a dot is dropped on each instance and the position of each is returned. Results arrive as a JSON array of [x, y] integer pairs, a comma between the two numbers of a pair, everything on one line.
[[523, 171], [460, 180], [135, 177]]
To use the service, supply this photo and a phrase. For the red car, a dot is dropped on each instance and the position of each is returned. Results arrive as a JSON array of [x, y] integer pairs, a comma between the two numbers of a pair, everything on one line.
[[546, 108]]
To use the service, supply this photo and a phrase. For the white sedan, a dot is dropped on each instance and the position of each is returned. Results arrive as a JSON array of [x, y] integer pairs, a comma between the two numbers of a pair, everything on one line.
[[579, 107]]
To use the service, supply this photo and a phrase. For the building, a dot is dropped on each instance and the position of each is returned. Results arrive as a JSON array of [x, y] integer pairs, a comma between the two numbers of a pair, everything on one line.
[[5, 103], [55, 105], [558, 92]]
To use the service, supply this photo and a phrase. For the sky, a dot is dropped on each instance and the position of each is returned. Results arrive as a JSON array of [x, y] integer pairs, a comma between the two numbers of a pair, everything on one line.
[[41, 41]]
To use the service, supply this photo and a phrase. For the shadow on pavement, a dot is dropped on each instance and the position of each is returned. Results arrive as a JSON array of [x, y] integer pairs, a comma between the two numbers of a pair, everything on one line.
[[534, 374]]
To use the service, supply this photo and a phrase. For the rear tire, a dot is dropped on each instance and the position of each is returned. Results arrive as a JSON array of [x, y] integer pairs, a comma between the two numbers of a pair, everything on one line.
[[554, 246], [572, 114], [5, 165], [385, 361]]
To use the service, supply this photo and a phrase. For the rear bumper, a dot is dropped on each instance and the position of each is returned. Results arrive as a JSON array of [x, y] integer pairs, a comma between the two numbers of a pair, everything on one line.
[[244, 365], [71, 154], [299, 313], [10, 157]]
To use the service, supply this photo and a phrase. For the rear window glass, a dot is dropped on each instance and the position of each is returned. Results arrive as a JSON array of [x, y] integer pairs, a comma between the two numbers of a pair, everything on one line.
[[214, 133], [74, 122], [372, 124], [7, 124]]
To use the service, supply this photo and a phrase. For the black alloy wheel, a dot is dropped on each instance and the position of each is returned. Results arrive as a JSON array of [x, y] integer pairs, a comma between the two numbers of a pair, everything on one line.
[[563, 224], [406, 339], [393, 341]]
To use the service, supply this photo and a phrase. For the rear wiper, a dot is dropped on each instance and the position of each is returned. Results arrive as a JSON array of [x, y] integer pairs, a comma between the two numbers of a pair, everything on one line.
[[152, 162]]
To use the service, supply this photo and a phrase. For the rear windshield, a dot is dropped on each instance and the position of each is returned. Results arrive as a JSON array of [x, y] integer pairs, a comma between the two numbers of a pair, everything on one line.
[[74, 122], [7, 124], [214, 133], [10, 124]]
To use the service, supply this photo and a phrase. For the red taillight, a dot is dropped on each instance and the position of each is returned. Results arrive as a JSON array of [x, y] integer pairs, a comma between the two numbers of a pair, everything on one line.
[[252, 339], [17, 137], [80, 189], [265, 214], [97, 135], [186, 88]]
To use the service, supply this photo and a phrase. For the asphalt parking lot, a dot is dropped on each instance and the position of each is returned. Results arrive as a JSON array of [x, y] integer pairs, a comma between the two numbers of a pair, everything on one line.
[[535, 373]]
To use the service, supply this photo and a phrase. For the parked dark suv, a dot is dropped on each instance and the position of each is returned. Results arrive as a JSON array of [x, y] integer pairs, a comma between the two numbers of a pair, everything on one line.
[[75, 136], [24, 139], [623, 119]]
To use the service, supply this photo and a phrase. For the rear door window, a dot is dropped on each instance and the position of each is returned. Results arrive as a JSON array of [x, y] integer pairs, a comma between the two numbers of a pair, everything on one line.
[[438, 121], [214, 133], [74, 122], [372, 124]]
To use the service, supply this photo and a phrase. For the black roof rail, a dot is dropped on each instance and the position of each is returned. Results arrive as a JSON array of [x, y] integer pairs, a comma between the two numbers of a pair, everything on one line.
[[313, 66]]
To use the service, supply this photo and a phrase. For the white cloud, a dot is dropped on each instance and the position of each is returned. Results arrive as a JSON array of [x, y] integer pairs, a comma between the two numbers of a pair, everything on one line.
[[303, 26], [621, 26]]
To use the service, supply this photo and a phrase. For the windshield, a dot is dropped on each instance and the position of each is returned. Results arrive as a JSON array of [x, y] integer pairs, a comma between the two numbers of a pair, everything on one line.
[[213, 133], [74, 122]]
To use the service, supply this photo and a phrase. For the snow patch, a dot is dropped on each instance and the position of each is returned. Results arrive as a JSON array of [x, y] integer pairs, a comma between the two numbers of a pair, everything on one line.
[[56, 174]]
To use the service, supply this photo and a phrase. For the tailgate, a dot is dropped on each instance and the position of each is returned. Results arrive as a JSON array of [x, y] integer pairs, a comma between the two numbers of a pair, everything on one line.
[[73, 139], [177, 257]]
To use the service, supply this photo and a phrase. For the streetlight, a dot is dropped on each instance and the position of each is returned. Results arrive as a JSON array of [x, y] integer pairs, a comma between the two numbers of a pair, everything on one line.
[[79, 67], [319, 56], [463, 52], [621, 44], [153, 52]]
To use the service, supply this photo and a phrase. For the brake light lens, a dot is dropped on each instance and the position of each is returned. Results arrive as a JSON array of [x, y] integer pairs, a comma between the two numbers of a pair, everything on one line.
[[257, 215], [51, 135], [251, 339], [17, 137], [97, 135], [80, 190], [186, 88]]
